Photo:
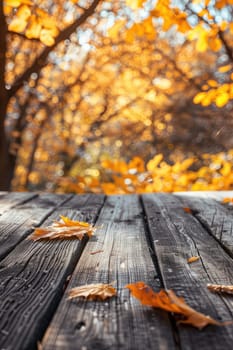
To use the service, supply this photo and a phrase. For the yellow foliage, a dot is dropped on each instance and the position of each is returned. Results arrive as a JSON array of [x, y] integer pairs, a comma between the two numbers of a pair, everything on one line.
[[220, 95], [17, 3], [221, 3], [224, 69], [154, 162], [13, 3], [206, 38], [33, 29], [171, 16], [46, 37], [199, 97], [134, 4], [18, 25], [157, 175], [114, 31], [212, 83], [24, 12], [32, 21], [222, 99], [143, 29]]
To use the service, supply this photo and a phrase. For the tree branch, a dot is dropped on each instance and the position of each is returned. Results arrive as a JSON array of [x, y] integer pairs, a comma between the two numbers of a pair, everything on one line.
[[220, 33], [40, 61], [228, 49], [10, 32]]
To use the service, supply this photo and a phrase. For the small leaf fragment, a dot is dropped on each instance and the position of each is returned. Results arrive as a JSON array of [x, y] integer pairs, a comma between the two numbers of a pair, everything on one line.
[[66, 228], [96, 252], [97, 291], [220, 288], [227, 200], [39, 346], [167, 300], [187, 210], [193, 259]]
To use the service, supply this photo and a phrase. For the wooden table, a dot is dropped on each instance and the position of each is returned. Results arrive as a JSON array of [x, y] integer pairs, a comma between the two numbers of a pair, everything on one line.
[[141, 238]]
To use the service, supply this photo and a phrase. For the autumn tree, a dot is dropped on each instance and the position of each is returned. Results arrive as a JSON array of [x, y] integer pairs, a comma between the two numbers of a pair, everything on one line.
[[28, 22], [129, 93], [136, 79]]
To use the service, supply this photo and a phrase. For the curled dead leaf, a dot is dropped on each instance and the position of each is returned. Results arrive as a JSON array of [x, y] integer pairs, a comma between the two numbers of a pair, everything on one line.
[[193, 259], [66, 228], [220, 288], [97, 291], [167, 300]]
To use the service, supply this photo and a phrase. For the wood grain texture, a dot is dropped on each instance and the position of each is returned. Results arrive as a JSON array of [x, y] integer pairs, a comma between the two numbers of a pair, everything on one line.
[[215, 216], [32, 279], [177, 236], [16, 223], [46, 200], [121, 322], [11, 199]]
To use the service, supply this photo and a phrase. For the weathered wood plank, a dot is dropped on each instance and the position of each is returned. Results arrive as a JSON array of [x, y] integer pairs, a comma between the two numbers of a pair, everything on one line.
[[176, 236], [32, 279], [218, 195], [91, 203], [215, 216], [18, 222], [46, 200], [120, 323], [11, 199]]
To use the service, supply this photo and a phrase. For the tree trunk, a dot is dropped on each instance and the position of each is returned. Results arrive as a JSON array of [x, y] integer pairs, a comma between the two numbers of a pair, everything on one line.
[[8, 161], [4, 158]]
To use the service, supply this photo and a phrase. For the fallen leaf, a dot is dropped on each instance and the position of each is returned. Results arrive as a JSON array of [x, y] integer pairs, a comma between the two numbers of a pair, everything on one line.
[[227, 200], [193, 259], [66, 228], [97, 291], [96, 252], [187, 210], [220, 288], [167, 300], [39, 346]]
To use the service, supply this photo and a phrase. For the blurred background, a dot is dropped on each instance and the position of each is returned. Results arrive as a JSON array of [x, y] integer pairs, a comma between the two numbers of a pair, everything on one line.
[[123, 96]]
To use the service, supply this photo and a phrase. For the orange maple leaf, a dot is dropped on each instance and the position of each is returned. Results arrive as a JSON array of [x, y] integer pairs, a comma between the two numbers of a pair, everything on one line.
[[167, 300], [193, 259], [66, 228], [97, 291]]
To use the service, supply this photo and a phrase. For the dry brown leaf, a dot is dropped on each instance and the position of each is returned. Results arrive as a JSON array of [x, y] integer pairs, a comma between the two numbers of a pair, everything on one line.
[[97, 291], [220, 288], [66, 228], [167, 300], [193, 259]]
